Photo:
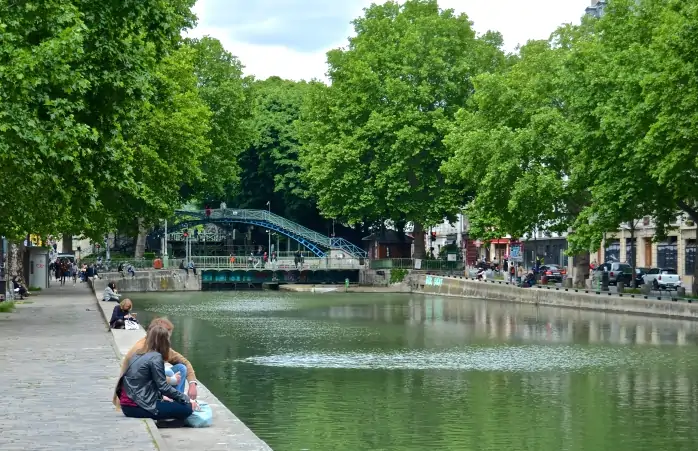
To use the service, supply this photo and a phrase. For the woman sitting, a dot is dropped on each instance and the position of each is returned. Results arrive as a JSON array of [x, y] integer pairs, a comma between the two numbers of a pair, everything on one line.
[[143, 391], [110, 293], [121, 314], [19, 287]]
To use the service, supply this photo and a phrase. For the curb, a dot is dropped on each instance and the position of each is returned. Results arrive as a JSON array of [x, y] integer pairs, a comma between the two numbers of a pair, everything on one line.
[[149, 424]]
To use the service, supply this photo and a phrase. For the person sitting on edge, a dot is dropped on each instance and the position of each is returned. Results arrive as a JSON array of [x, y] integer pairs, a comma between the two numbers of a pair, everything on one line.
[[121, 313], [142, 390], [110, 293], [180, 364]]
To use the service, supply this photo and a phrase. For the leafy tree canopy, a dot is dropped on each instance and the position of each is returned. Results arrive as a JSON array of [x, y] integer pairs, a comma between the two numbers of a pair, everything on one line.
[[372, 143]]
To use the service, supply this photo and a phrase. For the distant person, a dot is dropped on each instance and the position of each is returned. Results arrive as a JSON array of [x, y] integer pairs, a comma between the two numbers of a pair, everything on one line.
[[19, 288], [110, 294], [143, 390], [121, 314]]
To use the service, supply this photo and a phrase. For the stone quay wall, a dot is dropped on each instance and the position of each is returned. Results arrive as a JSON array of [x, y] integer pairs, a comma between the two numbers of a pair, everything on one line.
[[151, 280], [554, 297], [227, 431]]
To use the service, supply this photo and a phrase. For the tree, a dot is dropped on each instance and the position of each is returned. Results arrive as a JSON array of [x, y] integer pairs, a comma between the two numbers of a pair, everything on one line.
[[171, 140], [640, 82], [518, 148], [75, 74], [372, 143], [270, 166], [227, 93]]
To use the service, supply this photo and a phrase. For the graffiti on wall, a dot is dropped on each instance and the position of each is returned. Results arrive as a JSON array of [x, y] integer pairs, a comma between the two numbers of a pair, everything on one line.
[[434, 281]]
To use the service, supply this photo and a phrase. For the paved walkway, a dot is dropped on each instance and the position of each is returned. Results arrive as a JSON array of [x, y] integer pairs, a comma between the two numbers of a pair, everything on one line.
[[58, 369]]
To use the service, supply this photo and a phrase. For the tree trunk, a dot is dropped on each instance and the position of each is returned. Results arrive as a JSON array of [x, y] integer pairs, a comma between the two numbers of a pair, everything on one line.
[[419, 245], [581, 272], [15, 263], [692, 213], [633, 249], [140, 241], [67, 243]]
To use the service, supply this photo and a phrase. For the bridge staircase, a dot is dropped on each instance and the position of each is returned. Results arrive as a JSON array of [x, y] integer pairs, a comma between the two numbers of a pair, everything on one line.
[[319, 244]]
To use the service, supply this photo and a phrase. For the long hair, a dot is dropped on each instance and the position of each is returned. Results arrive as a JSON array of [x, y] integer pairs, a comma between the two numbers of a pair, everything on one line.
[[158, 340]]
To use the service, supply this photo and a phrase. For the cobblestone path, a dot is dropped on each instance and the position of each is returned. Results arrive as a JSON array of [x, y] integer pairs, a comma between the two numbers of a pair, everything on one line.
[[57, 372]]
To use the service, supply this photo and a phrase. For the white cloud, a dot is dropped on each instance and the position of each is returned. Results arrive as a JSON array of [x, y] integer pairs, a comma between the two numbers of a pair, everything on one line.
[[517, 20]]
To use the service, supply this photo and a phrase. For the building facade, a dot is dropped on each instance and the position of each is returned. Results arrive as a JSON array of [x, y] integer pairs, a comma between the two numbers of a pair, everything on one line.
[[597, 8]]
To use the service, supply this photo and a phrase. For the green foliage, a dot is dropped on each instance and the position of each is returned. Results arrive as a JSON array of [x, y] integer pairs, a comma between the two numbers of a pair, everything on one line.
[[227, 93], [372, 141], [270, 170], [75, 75], [398, 275], [639, 87], [518, 148], [7, 306]]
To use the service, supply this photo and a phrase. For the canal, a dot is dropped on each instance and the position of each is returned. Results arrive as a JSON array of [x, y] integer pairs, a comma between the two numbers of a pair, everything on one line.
[[355, 372]]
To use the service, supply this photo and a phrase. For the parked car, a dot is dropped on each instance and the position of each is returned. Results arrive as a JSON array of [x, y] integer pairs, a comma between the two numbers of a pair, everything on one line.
[[617, 272], [554, 273], [663, 279], [640, 276]]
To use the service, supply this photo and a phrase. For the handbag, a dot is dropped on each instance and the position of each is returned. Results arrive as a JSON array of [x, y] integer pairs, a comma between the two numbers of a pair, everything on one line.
[[131, 325], [201, 418]]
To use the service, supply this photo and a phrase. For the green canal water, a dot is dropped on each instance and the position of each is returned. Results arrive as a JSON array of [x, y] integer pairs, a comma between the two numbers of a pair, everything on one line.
[[410, 372]]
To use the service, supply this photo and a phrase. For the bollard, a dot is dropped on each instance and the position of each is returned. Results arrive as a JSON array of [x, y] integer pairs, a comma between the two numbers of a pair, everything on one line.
[[645, 289], [621, 287], [681, 291], [568, 282], [604, 281]]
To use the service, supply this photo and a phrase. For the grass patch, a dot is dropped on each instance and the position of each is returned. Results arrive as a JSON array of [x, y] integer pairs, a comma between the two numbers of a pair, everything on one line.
[[34, 289], [7, 306], [632, 290]]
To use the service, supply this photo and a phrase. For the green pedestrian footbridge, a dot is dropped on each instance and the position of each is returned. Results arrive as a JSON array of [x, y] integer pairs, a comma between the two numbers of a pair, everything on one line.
[[321, 246]]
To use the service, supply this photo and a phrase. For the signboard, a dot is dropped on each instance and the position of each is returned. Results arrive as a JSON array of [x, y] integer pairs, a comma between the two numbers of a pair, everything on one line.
[[451, 257], [515, 253], [478, 243], [417, 263]]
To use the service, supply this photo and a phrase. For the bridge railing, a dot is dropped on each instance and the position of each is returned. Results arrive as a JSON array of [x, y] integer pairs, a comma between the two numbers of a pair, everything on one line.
[[248, 215], [409, 263], [245, 262]]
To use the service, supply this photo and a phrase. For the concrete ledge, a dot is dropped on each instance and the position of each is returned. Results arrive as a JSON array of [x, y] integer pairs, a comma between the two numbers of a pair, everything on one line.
[[579, 299], [149, 424], [153, 280], [227, 431]]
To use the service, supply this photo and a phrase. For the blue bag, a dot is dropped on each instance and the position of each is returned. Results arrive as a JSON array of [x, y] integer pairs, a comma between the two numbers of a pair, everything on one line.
[[201, 418]]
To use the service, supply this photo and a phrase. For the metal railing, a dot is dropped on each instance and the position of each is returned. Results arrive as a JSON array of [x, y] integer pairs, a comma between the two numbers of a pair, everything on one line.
[[245, 262], [309, 238], [409, 263]]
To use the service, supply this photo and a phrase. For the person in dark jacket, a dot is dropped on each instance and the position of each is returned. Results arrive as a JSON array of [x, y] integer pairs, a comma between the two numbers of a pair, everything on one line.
[[121, 313], [143, 391]]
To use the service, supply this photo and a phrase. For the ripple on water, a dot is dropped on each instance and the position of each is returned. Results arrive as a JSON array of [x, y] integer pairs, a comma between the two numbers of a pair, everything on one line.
[[520, 358]]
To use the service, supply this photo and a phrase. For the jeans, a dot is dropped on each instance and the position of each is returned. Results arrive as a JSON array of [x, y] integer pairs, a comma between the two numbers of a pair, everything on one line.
[[166, 411], [181, 369]]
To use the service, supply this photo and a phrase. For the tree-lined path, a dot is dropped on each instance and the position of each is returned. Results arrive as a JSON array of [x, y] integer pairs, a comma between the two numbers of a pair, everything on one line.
[[58, 371]]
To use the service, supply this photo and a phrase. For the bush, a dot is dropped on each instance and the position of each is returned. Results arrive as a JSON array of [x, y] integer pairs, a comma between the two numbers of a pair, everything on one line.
[[7, 306], [149, 255], [34, 288], [397, 275]]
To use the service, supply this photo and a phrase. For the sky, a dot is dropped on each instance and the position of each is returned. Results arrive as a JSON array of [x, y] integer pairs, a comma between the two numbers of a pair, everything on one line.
[[289, 38]]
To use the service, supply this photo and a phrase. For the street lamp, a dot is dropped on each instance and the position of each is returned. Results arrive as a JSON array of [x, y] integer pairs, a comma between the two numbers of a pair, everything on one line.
[[269, 231]]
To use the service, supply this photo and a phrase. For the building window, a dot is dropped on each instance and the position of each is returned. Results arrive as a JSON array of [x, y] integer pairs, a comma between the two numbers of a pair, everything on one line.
[[630, 250], [612, 251], [690, 262], [667, 254]]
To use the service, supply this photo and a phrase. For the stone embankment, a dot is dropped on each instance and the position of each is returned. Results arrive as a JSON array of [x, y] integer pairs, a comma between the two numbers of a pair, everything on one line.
[[554, 296], [151, 280], [227, 432]]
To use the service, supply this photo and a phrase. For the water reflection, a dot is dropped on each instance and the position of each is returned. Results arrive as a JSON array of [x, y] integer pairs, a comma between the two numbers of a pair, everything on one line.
[[347, 372]]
